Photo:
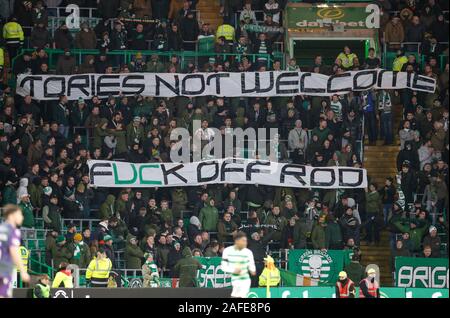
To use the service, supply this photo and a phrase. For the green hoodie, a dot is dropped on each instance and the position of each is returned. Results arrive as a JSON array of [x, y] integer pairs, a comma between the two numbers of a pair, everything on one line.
[[107, 208], [209, 216], [373, 203], [318, 237], [133, 254], [186, 269], [120, 206], [99, 133], [167, 216]]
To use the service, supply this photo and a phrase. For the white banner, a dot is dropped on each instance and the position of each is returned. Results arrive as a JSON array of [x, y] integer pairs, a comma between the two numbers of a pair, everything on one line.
[[264, 84], [236, 171]]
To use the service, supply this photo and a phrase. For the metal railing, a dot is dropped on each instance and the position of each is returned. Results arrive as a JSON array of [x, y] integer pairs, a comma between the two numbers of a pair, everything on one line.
[[55, 22], [127, 55]]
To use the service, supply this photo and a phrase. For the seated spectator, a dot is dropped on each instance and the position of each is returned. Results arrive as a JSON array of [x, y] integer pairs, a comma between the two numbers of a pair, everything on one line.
[[346, 59], [247, 13]]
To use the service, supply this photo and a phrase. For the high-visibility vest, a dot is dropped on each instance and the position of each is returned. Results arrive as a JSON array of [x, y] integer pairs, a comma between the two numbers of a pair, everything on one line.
[[344, 290], [13, 33], [272, 275], [98, 271], [226, 31], [398, 63], [24, 256], [371, 287], [347, 59], [63, 278], [2, 58], [45, 290]]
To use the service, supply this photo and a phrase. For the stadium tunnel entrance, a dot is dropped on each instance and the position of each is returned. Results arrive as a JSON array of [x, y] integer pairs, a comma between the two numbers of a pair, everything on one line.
[[304, 49], [325, 29]]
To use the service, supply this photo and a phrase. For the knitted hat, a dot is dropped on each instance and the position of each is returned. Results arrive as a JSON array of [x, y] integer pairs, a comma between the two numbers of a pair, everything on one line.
[[77, 237], [147, 255], [107, 238], [60, 239], [432, 228]]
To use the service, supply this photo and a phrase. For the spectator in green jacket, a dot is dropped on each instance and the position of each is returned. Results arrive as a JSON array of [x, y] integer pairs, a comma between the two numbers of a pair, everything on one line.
[[61, 252], [354, 270], [120, 206], [209, 216], [9, 194], [416, 229], [27, 210], [107, 209], [36, 192], [154, 65], [186, 269], [81, 253], [374, 210], [179, 201], [318, 234], [333, 234], [133, 253], [166, 214]]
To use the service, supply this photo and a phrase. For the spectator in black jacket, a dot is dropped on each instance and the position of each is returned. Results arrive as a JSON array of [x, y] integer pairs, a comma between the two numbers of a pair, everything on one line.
[[174, 39], [189, 30], [62, 38]]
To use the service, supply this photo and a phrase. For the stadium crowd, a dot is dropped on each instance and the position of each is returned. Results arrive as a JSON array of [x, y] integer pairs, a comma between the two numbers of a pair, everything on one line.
[[45, 145]]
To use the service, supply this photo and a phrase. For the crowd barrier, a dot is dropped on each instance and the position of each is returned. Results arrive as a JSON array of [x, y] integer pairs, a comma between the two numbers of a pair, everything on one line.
[[330, 292], [294, 292], [186, 293], [127, 56]]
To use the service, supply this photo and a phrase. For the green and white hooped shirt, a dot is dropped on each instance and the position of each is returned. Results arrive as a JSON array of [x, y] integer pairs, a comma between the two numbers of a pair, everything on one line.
[[232, 258]]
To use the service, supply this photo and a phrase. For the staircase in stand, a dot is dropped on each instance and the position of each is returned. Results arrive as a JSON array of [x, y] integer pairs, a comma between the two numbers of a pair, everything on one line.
[[379, 255], [381, 162], [209, 13]]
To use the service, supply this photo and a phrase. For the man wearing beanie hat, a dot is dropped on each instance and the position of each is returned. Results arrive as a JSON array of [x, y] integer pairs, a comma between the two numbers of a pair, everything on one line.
[[61, 253], [133, 253], [27, 210], [81, 253], [109, 249], [433, 241]]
